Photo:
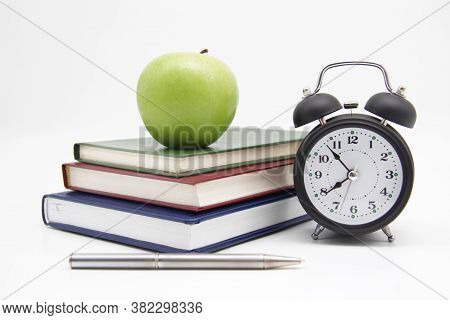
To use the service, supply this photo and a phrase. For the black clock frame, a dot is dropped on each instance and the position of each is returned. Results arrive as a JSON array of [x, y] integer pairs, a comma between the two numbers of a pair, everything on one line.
[[355, 121]]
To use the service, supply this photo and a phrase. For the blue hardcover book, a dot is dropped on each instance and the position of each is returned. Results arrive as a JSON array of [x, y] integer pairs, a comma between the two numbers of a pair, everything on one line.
[[166, 229]]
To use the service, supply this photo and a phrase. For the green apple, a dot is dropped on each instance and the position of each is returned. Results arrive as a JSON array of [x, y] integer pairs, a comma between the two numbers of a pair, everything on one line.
[[187, 99]]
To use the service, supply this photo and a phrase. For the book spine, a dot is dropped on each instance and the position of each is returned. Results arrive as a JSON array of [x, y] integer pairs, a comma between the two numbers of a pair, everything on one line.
[[43, 210], [66, 177], [76, 151]]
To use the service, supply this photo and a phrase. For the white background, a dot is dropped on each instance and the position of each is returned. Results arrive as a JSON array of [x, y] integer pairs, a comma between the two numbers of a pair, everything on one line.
[[50, 98]]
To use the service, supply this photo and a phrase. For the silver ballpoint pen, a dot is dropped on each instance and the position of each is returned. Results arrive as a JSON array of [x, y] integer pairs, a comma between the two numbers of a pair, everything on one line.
[[179, 261]]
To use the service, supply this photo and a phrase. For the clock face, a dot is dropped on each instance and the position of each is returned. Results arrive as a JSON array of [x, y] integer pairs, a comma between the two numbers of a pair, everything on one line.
[[353, 175]]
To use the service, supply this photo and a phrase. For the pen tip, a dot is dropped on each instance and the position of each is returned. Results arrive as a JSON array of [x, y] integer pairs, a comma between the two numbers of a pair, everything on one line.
[[279, 261]]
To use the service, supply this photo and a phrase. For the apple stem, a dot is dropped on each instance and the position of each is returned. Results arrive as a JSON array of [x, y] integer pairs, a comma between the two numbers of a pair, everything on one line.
[[204, 51]]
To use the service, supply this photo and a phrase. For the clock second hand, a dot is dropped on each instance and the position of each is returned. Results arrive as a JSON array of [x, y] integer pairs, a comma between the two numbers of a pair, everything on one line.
[[346, 193], [345, 196]]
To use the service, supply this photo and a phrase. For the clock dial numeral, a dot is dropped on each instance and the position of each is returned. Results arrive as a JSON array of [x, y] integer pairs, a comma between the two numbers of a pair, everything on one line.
[[371, 144], [389, 174], [384, 156], [337, 145], [354, 209], [318, 174], [384, 191], [336, 204], [323, 192], [324, 158], [352, 140], [372, 205]]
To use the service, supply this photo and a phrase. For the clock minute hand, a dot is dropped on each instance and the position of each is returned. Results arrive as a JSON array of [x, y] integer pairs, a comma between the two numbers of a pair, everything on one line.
[[338, 158]]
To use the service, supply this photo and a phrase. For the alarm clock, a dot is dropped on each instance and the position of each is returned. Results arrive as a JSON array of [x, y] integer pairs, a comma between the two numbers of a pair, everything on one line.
[[354, 173]]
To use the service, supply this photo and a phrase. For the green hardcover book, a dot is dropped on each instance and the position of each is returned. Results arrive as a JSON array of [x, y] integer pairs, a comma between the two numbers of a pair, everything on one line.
[[236, 147]]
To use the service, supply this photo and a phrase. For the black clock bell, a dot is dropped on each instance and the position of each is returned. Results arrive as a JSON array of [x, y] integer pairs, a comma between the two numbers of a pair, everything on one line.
[[354, 173]]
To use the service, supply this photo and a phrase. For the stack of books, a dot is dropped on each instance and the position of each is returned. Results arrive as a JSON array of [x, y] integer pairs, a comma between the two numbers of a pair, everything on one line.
[[140, 193]]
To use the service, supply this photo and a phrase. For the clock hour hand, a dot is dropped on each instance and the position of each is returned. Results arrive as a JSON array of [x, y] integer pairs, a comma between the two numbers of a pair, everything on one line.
[[338, 158], [337, 185]]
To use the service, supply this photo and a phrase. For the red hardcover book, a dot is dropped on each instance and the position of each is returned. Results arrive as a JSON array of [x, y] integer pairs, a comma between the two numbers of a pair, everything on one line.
[[195, 193]]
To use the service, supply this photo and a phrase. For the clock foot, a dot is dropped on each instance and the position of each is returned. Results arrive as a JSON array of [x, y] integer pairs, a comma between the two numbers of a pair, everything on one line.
[[388, 233], [317, 231]]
